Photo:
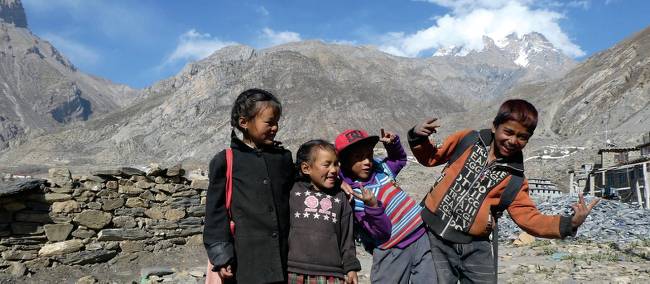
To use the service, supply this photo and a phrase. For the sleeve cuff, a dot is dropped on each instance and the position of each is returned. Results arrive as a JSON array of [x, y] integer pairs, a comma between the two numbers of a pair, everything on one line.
[[374, 211], [416, 139], [220, 254], [352, 266], [566, 229]]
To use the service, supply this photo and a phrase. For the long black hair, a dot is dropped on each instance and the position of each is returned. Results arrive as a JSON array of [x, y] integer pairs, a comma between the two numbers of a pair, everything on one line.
[[246, 105], [306, 152]]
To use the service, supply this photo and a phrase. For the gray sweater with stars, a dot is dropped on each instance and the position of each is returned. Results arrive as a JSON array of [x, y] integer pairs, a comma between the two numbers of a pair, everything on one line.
[[321, 240]]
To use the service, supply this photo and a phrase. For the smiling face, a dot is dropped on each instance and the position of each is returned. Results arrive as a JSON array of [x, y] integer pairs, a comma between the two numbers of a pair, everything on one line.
[[357, 161], [262, 128], [322, 169], [510, 137]]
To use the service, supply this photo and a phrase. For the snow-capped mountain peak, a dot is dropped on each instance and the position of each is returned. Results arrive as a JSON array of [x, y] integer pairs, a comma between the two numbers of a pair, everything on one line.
[[532, 48]]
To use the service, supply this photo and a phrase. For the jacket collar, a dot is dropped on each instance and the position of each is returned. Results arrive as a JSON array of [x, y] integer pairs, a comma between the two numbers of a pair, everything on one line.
[[514, 162], [238, 144]]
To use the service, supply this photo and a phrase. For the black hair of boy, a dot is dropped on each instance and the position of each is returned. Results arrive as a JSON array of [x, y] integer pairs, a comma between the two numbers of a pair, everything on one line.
[[517, 110]]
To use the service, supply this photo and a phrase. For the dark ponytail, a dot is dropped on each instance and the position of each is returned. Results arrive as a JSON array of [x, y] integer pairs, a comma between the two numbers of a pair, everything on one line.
[[306, 152]]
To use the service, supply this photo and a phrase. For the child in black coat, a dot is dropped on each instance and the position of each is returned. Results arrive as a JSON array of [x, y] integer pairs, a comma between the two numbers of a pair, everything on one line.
[[262, 176]]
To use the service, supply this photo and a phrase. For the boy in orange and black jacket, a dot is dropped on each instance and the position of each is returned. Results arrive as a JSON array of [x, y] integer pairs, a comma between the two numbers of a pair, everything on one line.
[[460, 208]]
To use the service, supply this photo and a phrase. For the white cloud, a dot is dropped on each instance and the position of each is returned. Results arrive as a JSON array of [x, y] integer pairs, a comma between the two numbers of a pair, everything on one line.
[[79, 54], [193, 45], [270, 37], [262, 11], [118, 20], [470, 20]]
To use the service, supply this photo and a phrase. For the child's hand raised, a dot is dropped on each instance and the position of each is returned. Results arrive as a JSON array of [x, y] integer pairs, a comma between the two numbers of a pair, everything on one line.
[[387, 137], [426, 127]]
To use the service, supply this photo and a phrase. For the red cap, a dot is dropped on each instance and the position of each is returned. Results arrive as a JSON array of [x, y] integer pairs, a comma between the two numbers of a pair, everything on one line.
[[353, 136]]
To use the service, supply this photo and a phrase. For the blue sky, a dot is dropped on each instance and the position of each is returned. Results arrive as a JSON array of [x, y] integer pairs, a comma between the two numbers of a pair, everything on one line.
[[140, 42]]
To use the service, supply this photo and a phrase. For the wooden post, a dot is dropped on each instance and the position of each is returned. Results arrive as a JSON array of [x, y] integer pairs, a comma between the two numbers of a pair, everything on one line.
[[638, 194], [646, 187], [572, 190]]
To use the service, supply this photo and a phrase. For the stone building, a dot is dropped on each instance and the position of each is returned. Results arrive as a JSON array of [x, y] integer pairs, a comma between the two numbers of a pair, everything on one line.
[[542, 188], [623, 173]]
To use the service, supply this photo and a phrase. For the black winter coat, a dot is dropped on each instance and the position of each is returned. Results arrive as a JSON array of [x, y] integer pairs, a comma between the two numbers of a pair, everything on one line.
[[262, 180]]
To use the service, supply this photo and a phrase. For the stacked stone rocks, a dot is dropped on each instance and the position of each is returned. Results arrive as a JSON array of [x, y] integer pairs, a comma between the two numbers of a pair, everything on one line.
[[90, 219]]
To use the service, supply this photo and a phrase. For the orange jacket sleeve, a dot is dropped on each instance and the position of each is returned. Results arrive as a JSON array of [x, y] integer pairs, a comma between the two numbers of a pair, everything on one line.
[[426, 152], [523, 211]]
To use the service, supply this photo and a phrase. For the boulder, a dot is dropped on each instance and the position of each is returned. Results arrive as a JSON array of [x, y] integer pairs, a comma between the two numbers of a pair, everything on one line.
[[94, 205], [524, 239], [174, 214], [200, 184], [124, 222], [176, 170], [15, 187], [154, 170], [17, 255], [66, 207], [83, 233], [137, 202], [58, 232], [128, 172], [87, 257], [61, 248], [109, 204], [131, 246], [57, 197], [155, 213], [17, 269], [130, 190], [144, 184], [112, 184], [38, 263], [93, 219], [122, 234]]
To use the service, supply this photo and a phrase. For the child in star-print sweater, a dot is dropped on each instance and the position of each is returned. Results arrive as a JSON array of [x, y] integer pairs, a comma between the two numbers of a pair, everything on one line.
[[321, 243]]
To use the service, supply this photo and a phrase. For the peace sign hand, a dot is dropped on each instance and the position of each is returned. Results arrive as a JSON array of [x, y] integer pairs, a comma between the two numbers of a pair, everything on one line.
[[427, 127], [387, 137], [581, 210], [366, 195]]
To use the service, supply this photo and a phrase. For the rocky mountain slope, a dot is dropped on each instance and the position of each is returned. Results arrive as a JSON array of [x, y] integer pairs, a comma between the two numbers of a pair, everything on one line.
[[325, 88], [40, 90]]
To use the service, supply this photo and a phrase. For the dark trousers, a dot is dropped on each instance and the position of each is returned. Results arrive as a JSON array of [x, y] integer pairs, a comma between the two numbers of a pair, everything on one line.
[[468, 263], [412, 264]]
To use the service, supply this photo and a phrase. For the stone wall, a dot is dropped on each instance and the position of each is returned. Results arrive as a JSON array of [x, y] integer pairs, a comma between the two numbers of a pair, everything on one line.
[[82, 220]]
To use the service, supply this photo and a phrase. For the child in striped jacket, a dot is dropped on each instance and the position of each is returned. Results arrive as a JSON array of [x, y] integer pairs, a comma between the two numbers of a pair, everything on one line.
[[388, 217]]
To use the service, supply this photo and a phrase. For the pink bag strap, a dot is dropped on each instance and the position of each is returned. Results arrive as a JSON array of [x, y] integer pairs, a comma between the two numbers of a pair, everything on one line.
[[229, 160]]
